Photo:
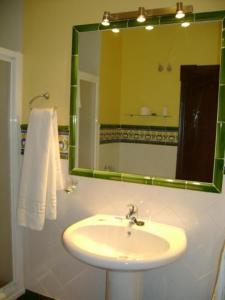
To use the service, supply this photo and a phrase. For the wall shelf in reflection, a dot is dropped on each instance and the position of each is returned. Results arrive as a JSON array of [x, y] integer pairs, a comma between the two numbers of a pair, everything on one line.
[[150, 115]]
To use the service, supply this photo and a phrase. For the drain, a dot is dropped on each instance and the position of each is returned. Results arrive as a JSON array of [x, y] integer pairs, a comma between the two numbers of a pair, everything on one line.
[[129, 233]]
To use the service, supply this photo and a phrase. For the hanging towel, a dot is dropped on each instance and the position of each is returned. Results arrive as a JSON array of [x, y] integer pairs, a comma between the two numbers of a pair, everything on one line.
[[219, 291], [41, 173]]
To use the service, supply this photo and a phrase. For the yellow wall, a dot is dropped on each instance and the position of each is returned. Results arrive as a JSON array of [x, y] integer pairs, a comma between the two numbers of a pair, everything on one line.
[[110, 78], [142, 84], [47, 42]]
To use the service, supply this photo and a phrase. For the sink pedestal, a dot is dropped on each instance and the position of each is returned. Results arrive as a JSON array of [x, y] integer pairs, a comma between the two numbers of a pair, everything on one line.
[[124, 285]]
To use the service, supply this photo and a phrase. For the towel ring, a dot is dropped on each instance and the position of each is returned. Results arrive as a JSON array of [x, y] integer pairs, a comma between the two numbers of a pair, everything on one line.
[[46, 96]]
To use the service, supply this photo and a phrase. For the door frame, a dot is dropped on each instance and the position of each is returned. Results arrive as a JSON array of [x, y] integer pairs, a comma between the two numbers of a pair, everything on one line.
[[16, 287], [95, 80]]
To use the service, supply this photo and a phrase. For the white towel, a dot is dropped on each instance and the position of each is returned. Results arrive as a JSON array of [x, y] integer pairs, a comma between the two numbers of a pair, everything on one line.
[[219, 291], [41, 171]]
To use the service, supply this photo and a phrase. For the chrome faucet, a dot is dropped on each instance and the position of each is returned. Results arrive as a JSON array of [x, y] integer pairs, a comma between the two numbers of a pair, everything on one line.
[[131, 215]]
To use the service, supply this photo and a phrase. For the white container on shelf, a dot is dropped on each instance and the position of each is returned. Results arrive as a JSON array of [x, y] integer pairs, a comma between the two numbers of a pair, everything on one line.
[[145, 111], [165, 111]]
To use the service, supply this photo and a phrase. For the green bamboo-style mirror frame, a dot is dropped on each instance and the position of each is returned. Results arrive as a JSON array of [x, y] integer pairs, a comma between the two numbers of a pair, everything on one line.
[[216, 185]]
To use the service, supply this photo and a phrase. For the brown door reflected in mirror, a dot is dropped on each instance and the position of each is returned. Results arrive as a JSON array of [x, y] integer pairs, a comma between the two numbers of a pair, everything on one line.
[[197, 130]]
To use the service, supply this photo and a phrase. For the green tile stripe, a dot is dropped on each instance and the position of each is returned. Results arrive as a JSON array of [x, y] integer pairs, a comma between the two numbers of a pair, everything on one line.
[[166, 182], [73, 97], [86, 27], [74, 68], [139, 134], [107, 175], [220, 140], [202, 187], [222, 69], [84, 172], [218, 173], [149, 127], [216, 185], [223, 38], [149, 21], [118, 24], [221, 104], [210, 16], [73, 123], [72, 156], [169, 182], [167, 19], [136, 178], [170, 19], [75, 42]]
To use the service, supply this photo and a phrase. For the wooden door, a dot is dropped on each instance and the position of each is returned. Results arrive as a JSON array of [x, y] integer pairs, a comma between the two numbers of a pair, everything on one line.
[[197, 128]]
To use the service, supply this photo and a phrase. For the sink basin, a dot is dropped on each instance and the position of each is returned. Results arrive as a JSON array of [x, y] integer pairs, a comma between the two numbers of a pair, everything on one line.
[[109, 242]]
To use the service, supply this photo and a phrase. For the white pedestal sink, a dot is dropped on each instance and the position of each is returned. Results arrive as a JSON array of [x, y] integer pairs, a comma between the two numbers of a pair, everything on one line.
[[124, 250]]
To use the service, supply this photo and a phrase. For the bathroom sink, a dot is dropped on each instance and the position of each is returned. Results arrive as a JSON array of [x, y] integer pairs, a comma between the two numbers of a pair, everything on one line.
[[111, 243]]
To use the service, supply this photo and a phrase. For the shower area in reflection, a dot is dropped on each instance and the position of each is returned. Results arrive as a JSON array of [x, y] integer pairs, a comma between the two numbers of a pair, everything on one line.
[[6, 265], [10, 257]]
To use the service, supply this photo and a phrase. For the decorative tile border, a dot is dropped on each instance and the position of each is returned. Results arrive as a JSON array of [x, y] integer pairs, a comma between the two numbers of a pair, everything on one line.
[[63, 140], [138, 134]]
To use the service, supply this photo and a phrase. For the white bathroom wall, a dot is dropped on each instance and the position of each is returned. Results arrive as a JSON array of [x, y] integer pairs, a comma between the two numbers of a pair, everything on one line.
[[52, 271], [148, 159], [109, 156], [89, 60], [145, 159], [86, 124]]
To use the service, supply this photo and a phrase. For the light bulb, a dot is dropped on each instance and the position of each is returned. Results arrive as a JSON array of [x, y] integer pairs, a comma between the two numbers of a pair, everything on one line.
[[115, 30], [141, 15], [141, 19], [105, 22], [149, 27], [185, 24], [105, 19], [180, 13]]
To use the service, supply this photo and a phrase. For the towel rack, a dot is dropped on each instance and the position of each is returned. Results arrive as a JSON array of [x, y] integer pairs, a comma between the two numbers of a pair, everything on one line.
[[46, 96]]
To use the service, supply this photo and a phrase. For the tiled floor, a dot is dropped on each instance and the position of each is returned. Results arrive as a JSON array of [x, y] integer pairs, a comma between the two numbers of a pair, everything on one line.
[[33, 296]]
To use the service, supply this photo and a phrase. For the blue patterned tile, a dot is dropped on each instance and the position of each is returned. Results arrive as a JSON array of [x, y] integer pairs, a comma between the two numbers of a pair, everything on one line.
[[138, 134]]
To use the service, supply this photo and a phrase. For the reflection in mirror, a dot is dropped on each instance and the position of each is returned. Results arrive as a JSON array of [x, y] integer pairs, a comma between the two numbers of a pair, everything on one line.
[[148, 100], [6, 260]]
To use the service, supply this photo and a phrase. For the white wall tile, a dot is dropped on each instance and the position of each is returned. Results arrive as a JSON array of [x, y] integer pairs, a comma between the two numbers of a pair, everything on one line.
[[51, 270]]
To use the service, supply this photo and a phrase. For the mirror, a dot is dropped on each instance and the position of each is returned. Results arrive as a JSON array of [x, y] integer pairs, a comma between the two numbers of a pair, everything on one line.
[[148, 102]]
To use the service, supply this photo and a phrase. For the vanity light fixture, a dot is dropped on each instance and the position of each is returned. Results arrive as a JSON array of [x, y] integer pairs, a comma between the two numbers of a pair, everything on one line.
[[149, 27], [105, 19], [185, 24], [115, 30], [142, 14], [180, 11]]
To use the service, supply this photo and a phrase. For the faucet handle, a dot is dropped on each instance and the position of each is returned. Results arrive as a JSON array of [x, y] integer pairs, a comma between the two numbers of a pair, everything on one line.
[[132, 209]]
